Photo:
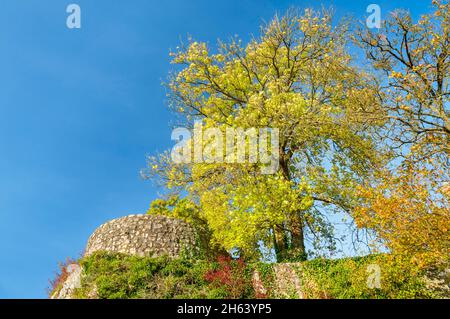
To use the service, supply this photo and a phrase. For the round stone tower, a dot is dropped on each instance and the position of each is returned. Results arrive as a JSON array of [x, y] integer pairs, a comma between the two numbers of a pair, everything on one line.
[[143, 235]]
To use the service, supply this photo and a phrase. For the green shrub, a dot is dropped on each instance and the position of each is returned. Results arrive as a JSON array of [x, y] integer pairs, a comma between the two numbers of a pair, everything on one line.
[[347, 278], [113, 275]]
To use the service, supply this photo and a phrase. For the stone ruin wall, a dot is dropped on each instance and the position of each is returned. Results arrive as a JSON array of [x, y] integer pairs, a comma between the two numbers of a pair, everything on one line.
[[139, 235], [143, 235]]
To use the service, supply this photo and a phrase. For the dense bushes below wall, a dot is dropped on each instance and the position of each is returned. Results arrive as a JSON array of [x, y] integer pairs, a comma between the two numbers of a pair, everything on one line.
[[115, 275], [351, 278]]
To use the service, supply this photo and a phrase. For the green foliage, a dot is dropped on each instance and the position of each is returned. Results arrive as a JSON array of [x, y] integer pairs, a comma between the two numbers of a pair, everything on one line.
[[119, 276], [347, 278], [342, 278], [185, 209], [113, 276], [296, 77], [267, 277]]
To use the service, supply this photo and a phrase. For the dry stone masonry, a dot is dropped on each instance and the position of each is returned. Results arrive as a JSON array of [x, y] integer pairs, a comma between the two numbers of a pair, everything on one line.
[[143, 235]]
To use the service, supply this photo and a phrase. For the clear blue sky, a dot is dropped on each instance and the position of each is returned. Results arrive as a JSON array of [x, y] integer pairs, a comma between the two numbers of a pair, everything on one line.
[[80, 109]]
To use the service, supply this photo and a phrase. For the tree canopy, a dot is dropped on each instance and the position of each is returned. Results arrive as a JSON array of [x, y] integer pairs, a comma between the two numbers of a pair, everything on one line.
[[341, 130]]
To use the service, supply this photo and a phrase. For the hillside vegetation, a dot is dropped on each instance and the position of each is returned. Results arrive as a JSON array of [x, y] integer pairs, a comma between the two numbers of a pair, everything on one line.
[[112, 275]]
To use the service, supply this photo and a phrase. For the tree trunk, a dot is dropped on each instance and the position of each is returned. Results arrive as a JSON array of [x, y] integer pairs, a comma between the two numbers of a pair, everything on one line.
[[297, 239], [292, 248], [295, 248], [280, 243]]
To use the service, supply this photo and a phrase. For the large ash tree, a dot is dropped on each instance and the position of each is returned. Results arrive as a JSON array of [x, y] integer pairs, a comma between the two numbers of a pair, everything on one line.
[[297, 76]]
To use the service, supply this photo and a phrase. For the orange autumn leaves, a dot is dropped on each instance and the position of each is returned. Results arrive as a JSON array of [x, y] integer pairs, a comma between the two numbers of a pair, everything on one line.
[[410, 213]]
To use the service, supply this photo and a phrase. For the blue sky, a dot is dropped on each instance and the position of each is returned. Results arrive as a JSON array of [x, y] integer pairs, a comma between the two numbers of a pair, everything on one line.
[[80, 109]]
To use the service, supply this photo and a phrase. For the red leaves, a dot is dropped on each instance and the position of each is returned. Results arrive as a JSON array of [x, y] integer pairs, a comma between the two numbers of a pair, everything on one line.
[[231, 275], [61, 276]]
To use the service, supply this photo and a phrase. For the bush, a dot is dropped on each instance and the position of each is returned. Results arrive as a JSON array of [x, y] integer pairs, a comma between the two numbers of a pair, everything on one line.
[[113, 275], [231, 277], [348, 278]]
